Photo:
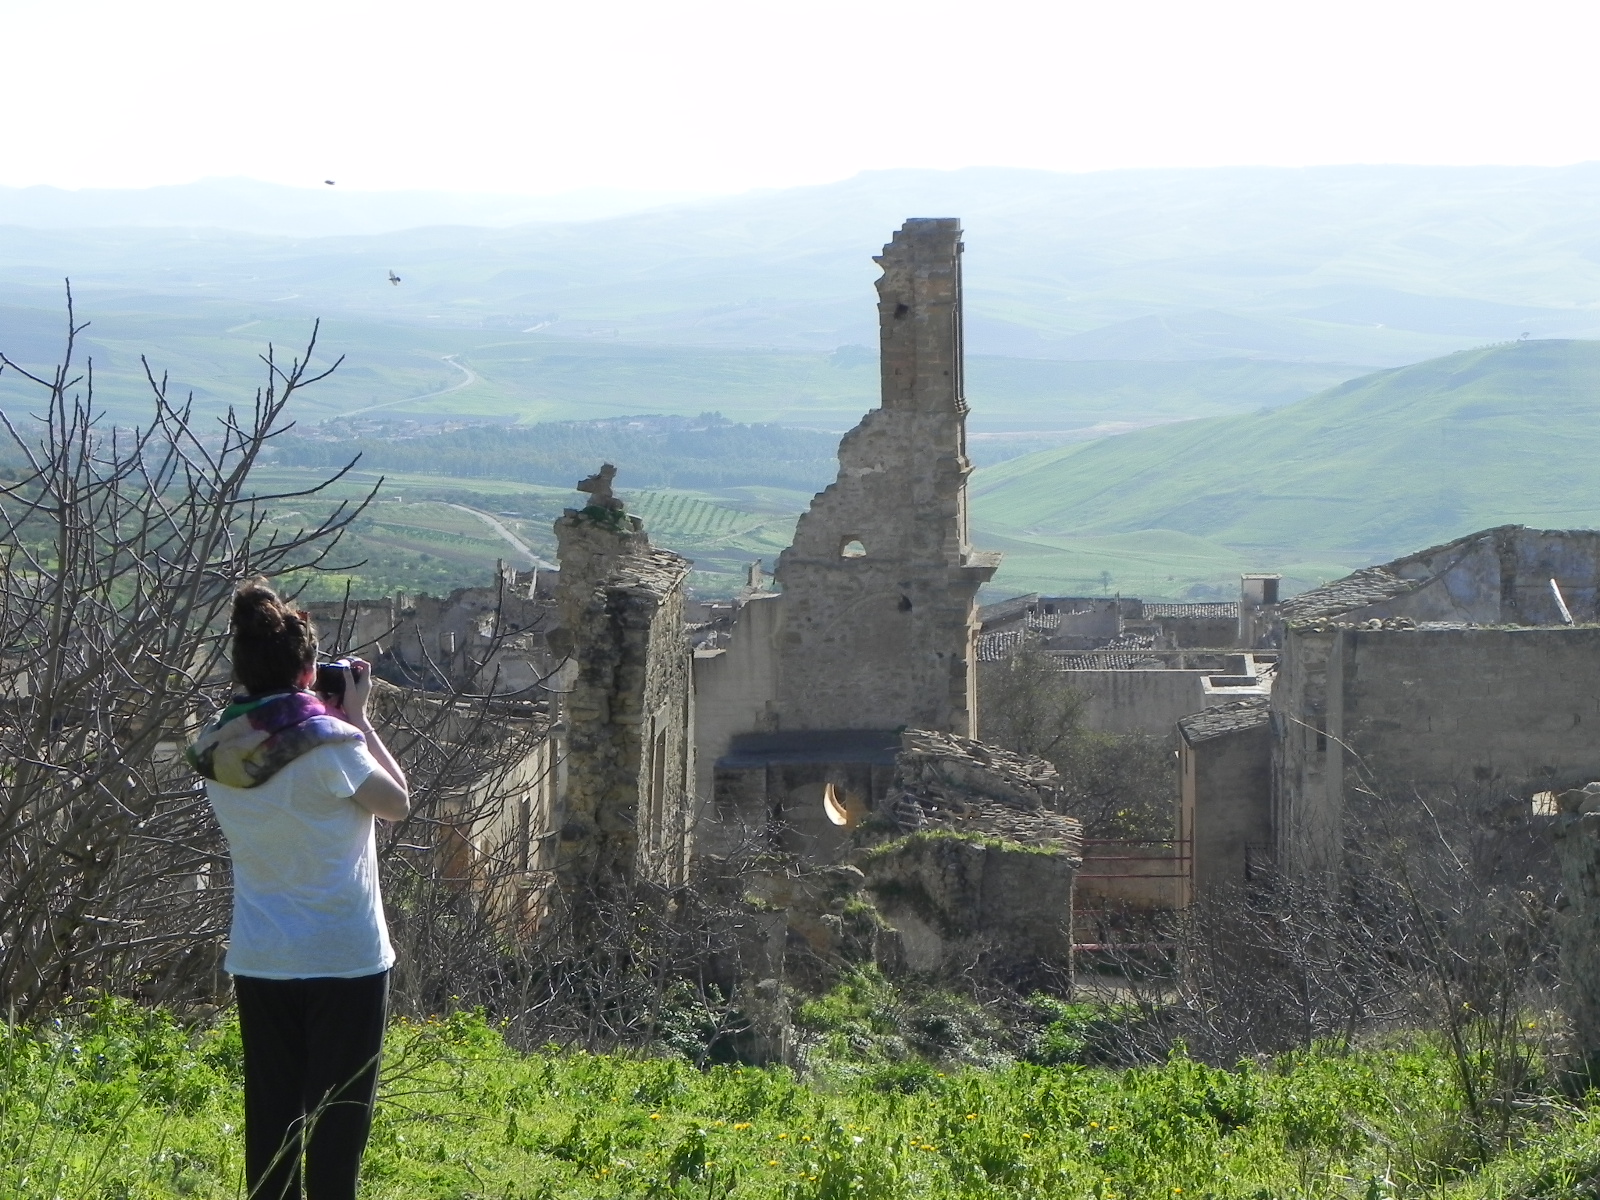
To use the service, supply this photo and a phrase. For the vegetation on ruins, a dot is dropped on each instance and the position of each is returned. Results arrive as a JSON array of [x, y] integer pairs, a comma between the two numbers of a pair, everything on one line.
[[1118, 785]]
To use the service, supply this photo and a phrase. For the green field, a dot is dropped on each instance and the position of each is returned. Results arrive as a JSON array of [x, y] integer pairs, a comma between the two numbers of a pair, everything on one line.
[[414, 537], [1391, 462], [392, 370], [122, 1104]]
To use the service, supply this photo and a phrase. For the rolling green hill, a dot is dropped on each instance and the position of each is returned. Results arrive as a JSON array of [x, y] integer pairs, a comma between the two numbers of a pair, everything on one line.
[[1393, 461]]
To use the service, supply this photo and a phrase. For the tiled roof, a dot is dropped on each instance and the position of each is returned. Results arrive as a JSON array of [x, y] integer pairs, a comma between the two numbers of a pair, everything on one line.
[[1102, 660], [1224, 719], [1220, 611], [1132, 641], [1367, 586], [997, 647]]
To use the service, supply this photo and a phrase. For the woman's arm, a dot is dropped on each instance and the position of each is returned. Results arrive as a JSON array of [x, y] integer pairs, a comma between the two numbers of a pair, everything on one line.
[[385, 793]]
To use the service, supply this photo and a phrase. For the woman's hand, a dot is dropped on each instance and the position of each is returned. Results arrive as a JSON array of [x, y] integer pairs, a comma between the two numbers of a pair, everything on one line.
[[357, 691]]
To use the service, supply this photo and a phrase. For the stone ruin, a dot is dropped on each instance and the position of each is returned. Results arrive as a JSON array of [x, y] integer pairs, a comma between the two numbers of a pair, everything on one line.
[[879, 585], [815, 754], [975, 864], [874, 628], [626, 700]]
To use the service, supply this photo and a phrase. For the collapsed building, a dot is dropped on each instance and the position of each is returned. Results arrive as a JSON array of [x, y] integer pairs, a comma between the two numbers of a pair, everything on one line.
[[822, 736], [481, 639], [1141, 666], [1466, 665]]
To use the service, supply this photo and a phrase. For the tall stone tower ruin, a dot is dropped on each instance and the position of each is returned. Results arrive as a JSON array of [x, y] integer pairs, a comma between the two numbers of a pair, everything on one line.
[[879, 586], [626, 700]]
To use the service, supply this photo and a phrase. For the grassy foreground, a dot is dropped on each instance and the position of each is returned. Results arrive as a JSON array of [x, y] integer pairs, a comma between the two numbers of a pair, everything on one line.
[[124, 1103]]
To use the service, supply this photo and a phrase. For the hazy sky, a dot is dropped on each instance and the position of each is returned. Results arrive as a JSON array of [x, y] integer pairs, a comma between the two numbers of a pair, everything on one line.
[[708, 95]]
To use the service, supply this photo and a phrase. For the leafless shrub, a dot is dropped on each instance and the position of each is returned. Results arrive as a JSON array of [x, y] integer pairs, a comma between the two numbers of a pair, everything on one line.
[[119, 552], [1437, 918]]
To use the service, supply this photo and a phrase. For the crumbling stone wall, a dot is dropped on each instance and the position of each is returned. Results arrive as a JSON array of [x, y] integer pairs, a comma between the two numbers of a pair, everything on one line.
[[878, 624], [1401, 705], [1577, 841], [627, 704], [959, 902]]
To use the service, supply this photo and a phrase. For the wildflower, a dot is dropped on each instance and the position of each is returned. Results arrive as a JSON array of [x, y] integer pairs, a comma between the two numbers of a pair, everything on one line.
[[1094, 1124], [781, 1136], [972, 1116], [1177, 1191], [655, 1116], [1027, 1135], [742, 1125], [772, 1162], [807, 1138]]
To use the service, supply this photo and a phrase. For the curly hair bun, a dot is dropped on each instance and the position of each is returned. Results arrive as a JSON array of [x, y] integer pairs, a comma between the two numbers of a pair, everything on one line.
[[258, 612], [273, 642]]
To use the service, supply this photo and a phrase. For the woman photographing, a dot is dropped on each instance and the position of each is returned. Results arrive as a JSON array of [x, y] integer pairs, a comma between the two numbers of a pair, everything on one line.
[[296, 777]]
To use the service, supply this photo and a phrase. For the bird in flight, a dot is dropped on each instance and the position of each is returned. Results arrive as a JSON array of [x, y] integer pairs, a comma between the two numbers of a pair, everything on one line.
[[393, 278], [329, 182]]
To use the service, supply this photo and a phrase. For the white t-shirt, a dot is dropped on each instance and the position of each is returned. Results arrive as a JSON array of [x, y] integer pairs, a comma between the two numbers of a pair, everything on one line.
[[305, 870]]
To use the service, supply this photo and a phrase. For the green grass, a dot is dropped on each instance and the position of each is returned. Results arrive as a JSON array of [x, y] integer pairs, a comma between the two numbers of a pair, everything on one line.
[[125, 1104]]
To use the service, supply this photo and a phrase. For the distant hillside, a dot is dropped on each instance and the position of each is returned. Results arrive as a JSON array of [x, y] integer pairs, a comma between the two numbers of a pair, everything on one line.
[[1376, 265], [1389, 462]]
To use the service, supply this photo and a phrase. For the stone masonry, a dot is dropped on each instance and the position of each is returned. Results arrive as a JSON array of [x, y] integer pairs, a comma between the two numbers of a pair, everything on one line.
[[1577, 839], [627, 701], [1452, 666], [879, 585]]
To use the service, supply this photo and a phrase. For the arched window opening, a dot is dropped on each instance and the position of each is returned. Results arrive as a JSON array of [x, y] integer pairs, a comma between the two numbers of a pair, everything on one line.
[[852, 548], [843, 808]]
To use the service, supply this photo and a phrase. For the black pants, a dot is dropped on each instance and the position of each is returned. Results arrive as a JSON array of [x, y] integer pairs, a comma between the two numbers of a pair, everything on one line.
[[311, 1049]]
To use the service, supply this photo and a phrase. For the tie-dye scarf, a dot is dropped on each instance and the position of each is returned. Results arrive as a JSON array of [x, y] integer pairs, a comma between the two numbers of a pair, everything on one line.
[[255, 738]]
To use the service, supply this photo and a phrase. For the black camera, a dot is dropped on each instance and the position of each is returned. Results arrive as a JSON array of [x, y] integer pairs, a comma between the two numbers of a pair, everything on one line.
[[331, 679]]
